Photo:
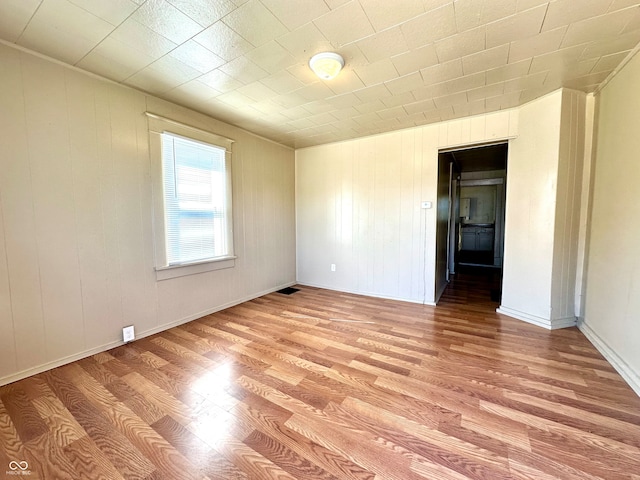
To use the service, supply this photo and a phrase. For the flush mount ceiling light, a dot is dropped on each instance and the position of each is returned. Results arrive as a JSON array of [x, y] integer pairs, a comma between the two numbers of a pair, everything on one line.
[[326, 65]]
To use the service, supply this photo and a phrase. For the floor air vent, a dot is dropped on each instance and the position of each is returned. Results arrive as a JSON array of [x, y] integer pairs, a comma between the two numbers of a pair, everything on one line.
[[288, 290]]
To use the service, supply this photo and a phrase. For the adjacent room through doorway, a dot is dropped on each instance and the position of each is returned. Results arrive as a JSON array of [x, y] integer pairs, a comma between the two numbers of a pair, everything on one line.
[[470, 226]]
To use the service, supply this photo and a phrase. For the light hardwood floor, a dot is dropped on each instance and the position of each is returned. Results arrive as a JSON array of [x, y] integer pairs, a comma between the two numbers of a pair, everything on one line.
[[320, 385]]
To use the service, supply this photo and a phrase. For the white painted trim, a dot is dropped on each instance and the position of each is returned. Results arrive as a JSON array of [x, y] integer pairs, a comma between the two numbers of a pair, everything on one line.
[[108, 346], [625, 371], [439, 294], [366, 294], [535, 320]]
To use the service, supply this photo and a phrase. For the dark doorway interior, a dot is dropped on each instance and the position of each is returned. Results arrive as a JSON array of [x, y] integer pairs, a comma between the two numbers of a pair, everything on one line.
[[477, 233]]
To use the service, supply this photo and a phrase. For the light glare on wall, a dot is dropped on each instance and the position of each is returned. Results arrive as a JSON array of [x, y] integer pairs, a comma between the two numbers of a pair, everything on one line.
[[326, 65]]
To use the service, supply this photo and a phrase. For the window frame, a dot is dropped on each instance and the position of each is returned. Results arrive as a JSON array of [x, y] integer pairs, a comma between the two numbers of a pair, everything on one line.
[[157, 126]]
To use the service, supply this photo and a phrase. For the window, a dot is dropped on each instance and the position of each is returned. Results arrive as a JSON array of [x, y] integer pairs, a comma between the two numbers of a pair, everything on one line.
[[192, 199], [195, 200]]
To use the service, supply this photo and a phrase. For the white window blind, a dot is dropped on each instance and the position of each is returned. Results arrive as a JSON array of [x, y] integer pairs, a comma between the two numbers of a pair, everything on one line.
[[195, 199]]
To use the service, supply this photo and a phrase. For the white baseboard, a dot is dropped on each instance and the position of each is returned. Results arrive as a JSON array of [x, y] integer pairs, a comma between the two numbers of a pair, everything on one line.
[[539, 321], [365, 293], [14, 377], [625, 371]]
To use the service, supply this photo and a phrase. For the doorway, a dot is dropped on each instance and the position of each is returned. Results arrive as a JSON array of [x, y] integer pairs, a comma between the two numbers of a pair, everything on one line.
[[470, 221]]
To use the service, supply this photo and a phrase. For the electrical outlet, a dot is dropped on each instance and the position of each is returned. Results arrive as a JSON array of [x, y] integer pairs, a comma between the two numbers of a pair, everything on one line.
[[128, 334], [333, 267]]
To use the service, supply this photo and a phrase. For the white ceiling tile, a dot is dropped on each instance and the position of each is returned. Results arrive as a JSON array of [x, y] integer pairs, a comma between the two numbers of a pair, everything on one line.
[[345, 113], [390, 79], [384, 44], [620, 43], [141, 38], [430, 91], [205, 12], [173, 71], [633, 23], [523, 5], [461, 45], [384, 14], [257, 91], [394, 112], [516, 27], [223, 41], [471, 108], [333, 4], [282, 82], [195, 90], [512, 70], [442, 72], [493, 90], [253, 22], [220, 81], [556, 60], [314, 91], [591, 80], [468, 14], [115, 60], [496, 9], [561, 76], [345, 24], [377, 72], [165, 19], [501, 102], [473, 13], [609, 62], [194, 54], [271, 56], [14, 16], [430, 26], [148, 80], [415, 60], [527, 82], [405, 84], [305, 41], [564, 12], [346, 82], [466, 83], [235, 99], [113, 11], [449, 100], [322, 118], [295, 113], [243, 70], [618, 4], [295, 14], [269, 107], [301, 123], [398, 99], [366, 118], [485, 60], [596, 28], [540, 44], [372, 93], [344, 101], [64, 31]]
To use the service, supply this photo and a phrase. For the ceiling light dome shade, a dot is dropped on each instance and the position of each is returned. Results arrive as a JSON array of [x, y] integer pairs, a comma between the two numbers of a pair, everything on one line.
[[326, 65]]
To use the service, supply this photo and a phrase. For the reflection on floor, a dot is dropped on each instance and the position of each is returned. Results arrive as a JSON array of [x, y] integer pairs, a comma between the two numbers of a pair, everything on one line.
[[476, 287]]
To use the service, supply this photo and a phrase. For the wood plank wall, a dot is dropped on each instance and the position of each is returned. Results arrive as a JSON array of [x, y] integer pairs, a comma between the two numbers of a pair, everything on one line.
[[76, 235]]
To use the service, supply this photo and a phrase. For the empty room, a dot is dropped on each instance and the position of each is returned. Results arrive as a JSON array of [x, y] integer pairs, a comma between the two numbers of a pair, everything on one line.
[[319, 239]]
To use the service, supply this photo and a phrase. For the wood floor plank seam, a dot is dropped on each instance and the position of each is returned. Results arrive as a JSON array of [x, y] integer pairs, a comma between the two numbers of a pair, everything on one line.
[[324, 385]]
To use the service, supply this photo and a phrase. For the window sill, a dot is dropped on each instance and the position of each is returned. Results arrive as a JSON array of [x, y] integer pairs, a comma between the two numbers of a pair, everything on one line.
[[174, 271]]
